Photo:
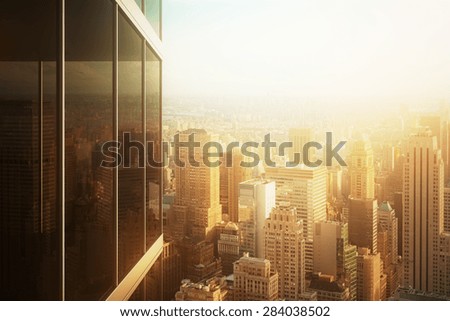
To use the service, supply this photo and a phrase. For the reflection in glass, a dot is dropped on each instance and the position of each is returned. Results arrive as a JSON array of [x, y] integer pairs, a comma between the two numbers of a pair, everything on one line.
[[131, 176], [89, 117], [29, 219], [153, 128]]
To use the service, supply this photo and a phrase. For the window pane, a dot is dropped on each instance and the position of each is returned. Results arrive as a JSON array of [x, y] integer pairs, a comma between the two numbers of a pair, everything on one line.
[[89, 199], [132, 171], [153, 194], [153, 14], [29, 234]]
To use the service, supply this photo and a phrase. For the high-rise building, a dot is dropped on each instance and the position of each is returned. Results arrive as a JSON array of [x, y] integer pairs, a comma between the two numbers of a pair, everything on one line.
[[304, 188], [197, 196], [388, 246], [439, 127], [299, 138], [285, 249], [256, 200], [423, 211], [231, 174], [398, 207], [368, 275], [228, 247], [171, 270], [447, 209], [254, 280], [74, 75], [333, 255], [198, 261], [361, 170], [363, 223], [444, 265]]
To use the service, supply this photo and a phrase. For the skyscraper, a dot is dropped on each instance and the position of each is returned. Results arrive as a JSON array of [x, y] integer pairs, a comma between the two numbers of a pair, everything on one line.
[[423, 211], [299, 137], [368, 275], [256, 200], [228, 247], [304, 188], [362, 207], [361, 170], [363, 223], [333, 255], [285, 249], [197, 196], [74, 75], [230, 177], [388, 246]]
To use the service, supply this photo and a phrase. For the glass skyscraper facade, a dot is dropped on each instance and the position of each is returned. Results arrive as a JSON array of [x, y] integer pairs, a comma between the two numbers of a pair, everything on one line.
[[75, 74]]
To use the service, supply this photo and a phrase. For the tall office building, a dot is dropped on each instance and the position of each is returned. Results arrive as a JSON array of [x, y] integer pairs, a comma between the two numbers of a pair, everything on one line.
[[231, 174], [171, 261], [361, 170], [439, 128], [423, 211], [388, 246], [74, 75], [304, 188], [254, 280], [361, 206], [363, 223], [197, 196], [285, 249], [299, 137], [444, 265], [398, 207], [447, 209], [228, 247], [334, 256], [368, 275], [256, 200]]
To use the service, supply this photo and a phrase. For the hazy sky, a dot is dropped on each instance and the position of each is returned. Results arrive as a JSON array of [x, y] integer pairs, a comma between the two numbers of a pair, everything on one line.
[[307, 48]]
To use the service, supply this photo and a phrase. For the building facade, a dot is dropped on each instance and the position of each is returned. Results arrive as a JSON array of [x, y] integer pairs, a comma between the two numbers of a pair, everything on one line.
[[423, 211], [285, 249], [254, 280], [304, 188], [256, 200], [75, 75]]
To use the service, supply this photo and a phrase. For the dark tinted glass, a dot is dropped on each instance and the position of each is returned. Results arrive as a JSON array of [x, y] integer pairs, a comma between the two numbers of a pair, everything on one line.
[[29, 216], [89, 201]]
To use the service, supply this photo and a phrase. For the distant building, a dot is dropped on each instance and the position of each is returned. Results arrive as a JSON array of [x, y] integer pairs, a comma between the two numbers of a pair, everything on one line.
[[328, 289], [171, 270], [304, 188], [368, 276], [333, 255], [254, 280], [422, 221], [197, 198], [198, 261], [214, 289], [388, 246], [285, 249], [228, 247], [256, 200], [408, 294]]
